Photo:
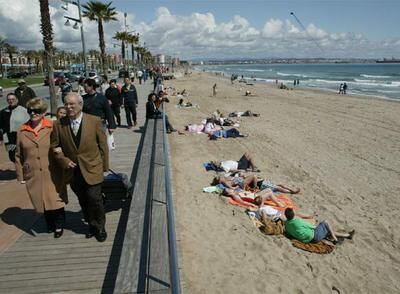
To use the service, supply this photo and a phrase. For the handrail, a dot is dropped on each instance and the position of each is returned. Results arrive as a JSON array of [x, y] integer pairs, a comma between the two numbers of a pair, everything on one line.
[[173, 256]]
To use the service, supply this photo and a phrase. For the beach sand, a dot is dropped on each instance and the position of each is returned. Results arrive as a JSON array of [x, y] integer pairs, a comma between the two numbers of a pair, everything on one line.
[[342, 151]]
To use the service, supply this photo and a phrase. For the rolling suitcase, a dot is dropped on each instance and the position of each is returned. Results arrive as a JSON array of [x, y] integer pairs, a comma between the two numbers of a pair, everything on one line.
[[116, 186]]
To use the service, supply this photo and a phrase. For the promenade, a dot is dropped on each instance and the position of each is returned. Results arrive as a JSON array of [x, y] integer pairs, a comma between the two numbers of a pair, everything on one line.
[[32, 261]]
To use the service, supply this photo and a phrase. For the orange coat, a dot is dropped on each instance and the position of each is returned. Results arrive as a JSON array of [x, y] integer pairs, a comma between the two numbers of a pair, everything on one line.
[[92, 154], [35, 164]]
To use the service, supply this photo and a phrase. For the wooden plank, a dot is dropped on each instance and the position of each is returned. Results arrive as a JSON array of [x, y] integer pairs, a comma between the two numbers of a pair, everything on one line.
[[159, 275], [130, 278], [56, 286]]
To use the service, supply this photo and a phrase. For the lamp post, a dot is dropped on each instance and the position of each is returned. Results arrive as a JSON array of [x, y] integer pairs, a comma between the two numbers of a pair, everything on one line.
[[67, 23]]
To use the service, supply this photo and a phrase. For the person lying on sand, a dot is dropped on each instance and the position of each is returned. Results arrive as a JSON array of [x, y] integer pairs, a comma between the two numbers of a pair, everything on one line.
[[249, 93], [305, 232], [243, 113], [267, 211], [234, 187], [184, 104], [231, 133], [268, 184], [244, 163]]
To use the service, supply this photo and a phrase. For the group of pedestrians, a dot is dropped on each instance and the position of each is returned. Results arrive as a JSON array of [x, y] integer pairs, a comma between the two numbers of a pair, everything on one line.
[[73, 149]]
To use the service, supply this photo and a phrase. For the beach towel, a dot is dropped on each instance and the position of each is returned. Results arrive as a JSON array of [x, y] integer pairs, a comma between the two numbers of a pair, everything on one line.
[[286, 200], [320, 247]]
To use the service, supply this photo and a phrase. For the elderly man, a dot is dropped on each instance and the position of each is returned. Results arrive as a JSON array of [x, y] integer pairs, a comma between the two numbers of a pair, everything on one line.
[[11, 119], [24, 93], [84, 153]]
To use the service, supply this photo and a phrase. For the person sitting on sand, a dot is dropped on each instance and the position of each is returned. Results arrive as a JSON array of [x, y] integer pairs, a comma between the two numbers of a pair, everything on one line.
[[231, 133], [244, 163], [305, 232], [268, 184], [243, 113]]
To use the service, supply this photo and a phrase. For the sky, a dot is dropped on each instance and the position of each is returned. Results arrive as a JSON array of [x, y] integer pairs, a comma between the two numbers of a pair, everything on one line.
[[225, 29]]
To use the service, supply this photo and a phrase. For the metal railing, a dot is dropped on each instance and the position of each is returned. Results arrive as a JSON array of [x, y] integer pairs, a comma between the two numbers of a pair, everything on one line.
[[173, 256]]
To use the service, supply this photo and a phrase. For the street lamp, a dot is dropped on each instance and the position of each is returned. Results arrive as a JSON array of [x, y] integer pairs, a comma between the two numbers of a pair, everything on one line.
[[67, 23]]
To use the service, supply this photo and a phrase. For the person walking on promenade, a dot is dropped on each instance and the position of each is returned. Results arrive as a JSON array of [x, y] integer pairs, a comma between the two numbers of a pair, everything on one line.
[[114, 98], [84, 153], [11, 118], [139, 75], [97, 104], [24, 93], [65, 88], [36, 166], [130, 100]]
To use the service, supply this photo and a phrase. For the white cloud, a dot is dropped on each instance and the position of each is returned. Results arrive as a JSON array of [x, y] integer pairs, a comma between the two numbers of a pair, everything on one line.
[[193, 35]]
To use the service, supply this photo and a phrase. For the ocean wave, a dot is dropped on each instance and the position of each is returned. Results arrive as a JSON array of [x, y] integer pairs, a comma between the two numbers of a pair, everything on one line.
[[255, 70], [289, 75], [374, 76]]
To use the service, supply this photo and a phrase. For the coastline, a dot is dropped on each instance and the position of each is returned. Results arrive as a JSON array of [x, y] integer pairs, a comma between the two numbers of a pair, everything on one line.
[[341, 150], [369, 80]]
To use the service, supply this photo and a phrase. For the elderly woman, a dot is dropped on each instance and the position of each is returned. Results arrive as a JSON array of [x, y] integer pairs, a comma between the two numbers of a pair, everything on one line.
[[35, 165]]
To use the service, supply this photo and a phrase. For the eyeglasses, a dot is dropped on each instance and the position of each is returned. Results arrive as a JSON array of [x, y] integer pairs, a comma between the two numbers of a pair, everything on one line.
[[34, 111]]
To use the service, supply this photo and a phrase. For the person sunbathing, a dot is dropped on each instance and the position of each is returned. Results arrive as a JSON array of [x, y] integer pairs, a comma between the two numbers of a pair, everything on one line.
[[184, 104], [231, 133], [243, 113], [268, 184], [244, 163], [268, 212], [305, 232], [234, 187]]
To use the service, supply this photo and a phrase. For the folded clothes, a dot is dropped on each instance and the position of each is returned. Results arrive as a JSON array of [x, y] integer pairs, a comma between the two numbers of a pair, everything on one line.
[[212, 189]]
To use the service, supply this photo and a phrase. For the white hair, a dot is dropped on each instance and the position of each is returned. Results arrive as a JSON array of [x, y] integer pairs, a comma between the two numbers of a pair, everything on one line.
[[77, 96]]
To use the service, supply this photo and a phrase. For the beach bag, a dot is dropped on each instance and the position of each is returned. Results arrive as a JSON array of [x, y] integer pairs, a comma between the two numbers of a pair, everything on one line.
[[116, 186], [110, 141]]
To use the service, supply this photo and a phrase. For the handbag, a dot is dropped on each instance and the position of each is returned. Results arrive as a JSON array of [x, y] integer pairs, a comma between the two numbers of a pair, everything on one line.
[[116, 186]]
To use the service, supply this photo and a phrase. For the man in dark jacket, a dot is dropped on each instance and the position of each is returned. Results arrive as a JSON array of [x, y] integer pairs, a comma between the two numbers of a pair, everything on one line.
[[97, 104], [24, 93], [115, 100], [130, 100]]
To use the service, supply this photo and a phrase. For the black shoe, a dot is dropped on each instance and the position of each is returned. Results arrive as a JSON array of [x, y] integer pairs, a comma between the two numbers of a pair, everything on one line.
[[58, 233], [101, 235], [91, 233]]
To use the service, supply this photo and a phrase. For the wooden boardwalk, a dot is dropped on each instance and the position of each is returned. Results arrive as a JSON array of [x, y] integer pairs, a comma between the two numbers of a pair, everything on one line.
[[38, 263]]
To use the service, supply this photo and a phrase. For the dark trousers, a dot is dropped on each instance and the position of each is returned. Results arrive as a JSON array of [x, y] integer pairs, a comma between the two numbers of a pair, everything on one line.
[[55, 219], [90, 200], [116, 111], [130, 111]]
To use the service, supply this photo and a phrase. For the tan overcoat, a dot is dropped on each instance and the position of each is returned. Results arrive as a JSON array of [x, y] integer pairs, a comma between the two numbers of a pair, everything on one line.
[[35, 164], [92, 154]]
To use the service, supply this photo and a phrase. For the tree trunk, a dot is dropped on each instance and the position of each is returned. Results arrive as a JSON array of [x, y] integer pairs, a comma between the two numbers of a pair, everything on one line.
[[102, 46], [47, 32], [133, 53]]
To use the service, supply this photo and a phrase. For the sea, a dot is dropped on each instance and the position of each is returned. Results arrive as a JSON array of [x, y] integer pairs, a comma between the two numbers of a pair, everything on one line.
[[377, 80]]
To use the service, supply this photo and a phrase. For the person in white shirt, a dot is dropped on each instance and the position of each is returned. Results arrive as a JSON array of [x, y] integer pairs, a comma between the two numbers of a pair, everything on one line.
[[246, 162]]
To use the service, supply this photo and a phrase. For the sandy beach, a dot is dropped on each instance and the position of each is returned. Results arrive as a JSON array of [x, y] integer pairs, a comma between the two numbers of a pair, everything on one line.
[[342, 151]]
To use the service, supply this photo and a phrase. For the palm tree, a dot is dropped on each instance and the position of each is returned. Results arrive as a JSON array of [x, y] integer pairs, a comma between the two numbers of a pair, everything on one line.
[[47, 32], [2, 44], [100, 12], [133, 40], [10, 49], [123, 37]]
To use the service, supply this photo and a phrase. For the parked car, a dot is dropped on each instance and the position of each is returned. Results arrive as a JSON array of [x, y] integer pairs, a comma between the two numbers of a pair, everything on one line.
[[16, 75], [74, 76], [93, 75], [1, 91], [57, 77], [123, 73]]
